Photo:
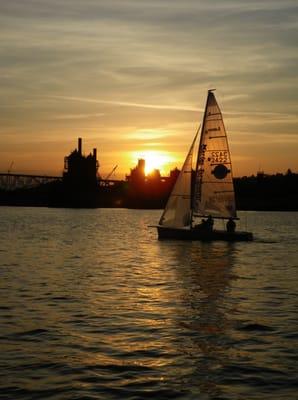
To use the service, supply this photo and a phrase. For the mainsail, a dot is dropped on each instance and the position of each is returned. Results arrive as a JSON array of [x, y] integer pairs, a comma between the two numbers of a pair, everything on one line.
[[177, 213], [214, 190]]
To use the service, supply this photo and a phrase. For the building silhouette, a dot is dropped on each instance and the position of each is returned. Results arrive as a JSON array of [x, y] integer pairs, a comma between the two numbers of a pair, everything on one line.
[[81, 171], [148, 191], [79, 187]]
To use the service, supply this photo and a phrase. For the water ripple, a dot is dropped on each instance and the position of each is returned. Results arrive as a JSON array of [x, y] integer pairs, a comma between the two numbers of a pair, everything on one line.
[[93, 306]]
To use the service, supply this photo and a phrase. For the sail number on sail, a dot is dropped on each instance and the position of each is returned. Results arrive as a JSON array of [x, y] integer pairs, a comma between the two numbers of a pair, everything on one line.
[[219, 157]]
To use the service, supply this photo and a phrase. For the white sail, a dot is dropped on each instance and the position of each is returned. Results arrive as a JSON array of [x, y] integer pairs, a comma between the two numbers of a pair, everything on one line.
[[214, 189], [177, 213]]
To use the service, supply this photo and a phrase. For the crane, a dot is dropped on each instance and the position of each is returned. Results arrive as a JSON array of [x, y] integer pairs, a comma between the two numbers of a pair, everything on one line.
[[111, 173], [10, 167]]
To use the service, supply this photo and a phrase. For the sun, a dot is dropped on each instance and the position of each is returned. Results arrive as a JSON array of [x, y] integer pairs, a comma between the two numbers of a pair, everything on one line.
[[155, 159]]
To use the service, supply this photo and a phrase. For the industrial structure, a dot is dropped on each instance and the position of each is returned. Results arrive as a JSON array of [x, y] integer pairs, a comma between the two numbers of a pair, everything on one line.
[[81, 170], [148, 191], [82, 187]]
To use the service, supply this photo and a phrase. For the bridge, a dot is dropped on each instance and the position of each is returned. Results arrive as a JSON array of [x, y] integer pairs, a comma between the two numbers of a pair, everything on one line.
[[10, 181]]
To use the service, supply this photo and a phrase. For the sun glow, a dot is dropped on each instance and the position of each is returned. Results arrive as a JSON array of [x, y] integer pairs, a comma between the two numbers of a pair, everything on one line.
[[155, 160]]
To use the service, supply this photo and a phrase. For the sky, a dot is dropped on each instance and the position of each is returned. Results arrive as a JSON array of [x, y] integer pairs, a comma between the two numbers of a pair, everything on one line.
[[131, 78]]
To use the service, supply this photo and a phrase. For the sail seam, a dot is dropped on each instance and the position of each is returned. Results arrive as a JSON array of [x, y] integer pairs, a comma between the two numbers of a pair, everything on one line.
[[228, 162], [214, 150]]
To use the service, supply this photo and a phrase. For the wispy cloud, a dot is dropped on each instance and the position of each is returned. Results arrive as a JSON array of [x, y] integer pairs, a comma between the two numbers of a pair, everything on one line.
[[128, 104], [78, 116]]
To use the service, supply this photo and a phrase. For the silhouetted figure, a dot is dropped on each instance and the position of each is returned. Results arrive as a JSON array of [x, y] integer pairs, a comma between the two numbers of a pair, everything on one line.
[[231, 226], [209, 223], [206, 224]]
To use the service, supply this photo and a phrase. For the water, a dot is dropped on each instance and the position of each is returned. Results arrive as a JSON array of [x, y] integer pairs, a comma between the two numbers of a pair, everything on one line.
[[93, 306]]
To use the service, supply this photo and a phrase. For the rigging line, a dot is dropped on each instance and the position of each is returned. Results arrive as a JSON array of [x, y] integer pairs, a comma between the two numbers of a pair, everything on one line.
[[197, 182]]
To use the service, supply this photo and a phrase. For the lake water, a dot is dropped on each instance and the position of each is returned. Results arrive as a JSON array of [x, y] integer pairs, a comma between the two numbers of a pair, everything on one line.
[[93, 306]]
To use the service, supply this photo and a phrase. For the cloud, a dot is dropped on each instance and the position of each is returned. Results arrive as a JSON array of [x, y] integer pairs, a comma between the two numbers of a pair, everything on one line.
[[78, 116], [110, 68], [128, 104]]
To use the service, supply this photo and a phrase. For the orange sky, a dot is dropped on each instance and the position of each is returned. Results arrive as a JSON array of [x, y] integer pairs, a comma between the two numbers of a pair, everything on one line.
[[131, 79]]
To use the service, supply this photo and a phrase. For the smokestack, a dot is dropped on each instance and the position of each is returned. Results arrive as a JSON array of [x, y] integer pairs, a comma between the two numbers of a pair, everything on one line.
[[141, 164], [80, 146], [95, 154]]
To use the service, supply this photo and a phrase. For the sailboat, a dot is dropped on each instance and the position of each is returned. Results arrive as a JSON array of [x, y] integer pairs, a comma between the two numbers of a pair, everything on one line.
[[206, 192]]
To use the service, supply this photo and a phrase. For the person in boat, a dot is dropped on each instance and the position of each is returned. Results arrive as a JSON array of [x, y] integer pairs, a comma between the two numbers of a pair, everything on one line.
[[202, 225], [206, 224], [231, 225], [209, 223]]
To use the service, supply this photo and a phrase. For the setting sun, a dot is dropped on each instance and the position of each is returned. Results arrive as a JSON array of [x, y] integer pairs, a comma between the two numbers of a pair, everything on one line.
[[155, 160]]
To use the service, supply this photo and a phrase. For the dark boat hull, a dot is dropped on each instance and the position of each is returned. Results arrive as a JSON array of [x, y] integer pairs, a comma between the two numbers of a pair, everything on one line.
[[196, 234]]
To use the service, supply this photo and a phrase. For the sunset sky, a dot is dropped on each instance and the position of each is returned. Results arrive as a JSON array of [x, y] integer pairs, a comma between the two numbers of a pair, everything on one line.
[[131, 77]]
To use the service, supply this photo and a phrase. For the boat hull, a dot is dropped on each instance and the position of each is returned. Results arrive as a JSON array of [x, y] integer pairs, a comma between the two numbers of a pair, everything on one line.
[[195, 234]]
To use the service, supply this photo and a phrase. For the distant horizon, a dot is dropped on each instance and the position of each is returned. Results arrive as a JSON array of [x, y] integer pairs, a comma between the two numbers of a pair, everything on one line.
[[122, 176]]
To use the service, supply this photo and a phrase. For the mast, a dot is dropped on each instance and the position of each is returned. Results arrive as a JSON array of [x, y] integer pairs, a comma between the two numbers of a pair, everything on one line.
[[198, 158]]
